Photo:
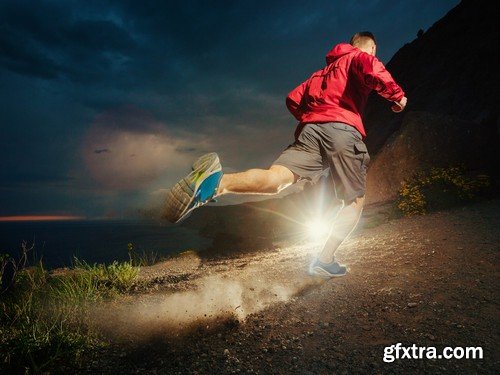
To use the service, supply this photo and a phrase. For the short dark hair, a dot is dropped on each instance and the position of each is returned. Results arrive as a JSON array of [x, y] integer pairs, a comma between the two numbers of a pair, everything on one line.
[[361, 38]]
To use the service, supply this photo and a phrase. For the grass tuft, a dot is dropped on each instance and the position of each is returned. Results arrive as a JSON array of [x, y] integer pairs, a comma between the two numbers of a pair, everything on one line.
[[44, 317]]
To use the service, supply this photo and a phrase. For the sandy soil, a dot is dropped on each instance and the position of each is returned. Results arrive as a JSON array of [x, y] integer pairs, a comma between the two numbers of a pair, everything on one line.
[[429, 280]]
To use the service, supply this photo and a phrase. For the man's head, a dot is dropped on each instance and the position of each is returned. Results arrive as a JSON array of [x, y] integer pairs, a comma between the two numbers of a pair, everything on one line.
[[365, 41]]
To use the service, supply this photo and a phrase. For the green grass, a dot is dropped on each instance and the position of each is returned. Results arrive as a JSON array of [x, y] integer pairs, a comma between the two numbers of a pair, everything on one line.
[[43, 316]]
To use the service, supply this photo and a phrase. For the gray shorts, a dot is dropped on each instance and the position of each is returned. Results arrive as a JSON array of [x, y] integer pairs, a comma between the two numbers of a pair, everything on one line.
[[335, 146]]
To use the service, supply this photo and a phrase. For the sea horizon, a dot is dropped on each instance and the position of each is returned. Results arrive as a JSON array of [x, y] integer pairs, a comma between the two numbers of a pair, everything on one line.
[[96, 240]]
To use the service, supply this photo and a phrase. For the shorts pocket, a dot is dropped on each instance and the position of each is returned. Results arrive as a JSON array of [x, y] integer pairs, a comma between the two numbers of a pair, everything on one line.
[[361, 152], [360, 147]]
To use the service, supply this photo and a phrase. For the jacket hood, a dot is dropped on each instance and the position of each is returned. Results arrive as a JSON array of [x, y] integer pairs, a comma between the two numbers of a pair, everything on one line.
[[338, 51]]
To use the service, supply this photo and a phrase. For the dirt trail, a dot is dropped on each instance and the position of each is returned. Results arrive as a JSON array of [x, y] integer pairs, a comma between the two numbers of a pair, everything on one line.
[[429, 280]]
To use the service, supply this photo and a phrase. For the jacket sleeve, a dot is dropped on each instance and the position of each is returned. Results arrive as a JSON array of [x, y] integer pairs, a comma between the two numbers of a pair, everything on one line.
[[374, 75], [294, 99]]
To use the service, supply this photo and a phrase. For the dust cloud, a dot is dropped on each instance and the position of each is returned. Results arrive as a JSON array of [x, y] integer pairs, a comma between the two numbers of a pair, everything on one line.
[[206, 301]]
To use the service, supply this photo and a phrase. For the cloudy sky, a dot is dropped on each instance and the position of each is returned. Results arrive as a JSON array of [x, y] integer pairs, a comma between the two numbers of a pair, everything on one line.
[[105, 103]]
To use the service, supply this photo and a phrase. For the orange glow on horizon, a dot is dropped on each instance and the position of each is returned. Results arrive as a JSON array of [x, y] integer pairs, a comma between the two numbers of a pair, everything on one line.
[[40, 218]]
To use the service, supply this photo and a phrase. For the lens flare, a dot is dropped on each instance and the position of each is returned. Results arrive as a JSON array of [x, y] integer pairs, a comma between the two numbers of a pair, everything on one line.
[[318, 229]]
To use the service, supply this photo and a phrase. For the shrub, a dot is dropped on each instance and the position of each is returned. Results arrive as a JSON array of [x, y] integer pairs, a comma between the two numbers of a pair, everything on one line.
[[439, 188]]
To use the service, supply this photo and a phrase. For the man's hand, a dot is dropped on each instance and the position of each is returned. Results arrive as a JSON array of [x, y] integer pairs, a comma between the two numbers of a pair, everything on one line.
[[399, 106]]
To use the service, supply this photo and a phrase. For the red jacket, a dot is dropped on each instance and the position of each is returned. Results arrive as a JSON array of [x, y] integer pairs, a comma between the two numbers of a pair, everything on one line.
[[339, 91]]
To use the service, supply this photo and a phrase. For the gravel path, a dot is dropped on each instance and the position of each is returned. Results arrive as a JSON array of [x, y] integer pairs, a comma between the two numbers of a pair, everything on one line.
[[429, 280]]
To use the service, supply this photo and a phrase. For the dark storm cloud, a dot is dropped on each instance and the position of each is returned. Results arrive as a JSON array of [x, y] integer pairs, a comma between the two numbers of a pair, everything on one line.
[[47, 40], [22, 58], [186, 47], [197, 74], [102, 150]]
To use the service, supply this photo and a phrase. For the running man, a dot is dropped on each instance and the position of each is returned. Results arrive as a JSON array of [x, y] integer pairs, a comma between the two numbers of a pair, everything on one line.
[[330, 135]]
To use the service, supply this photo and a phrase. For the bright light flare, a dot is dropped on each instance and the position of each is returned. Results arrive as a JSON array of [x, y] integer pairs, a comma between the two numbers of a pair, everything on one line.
[[318, 229]]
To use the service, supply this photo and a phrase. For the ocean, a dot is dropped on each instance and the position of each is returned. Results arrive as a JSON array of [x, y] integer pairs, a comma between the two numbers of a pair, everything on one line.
[[96, 241]]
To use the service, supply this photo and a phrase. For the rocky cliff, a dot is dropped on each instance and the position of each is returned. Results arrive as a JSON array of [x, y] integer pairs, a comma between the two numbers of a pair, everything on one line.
[[451, 79], [449, 70]]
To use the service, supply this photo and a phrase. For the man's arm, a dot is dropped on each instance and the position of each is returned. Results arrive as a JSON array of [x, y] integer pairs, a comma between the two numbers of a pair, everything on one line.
[[374, 75], [294, 99]]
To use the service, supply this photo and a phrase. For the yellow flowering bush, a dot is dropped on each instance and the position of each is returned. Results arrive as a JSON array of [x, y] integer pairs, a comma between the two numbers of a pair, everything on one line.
[[437, 188]]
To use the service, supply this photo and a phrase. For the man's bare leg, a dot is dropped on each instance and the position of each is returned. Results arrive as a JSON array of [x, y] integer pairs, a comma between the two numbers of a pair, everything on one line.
[[257, 181], [343, 225]]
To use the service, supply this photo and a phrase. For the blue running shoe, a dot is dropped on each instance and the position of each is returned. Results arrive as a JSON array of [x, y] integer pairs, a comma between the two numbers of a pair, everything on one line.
[[320, 269], [195, 190]]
